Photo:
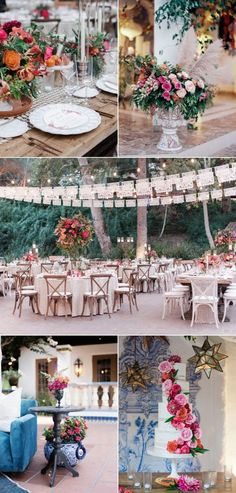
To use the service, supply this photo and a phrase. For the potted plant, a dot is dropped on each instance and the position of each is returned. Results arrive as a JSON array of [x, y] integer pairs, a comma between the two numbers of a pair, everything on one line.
[[12, 376], [73, 432]]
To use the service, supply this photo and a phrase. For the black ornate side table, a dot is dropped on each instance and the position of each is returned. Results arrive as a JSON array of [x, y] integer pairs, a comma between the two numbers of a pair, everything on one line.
[[57, 456]]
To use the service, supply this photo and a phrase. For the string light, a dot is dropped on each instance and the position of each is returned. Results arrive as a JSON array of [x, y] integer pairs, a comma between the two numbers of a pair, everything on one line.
[[48, 180], [138, 170], [192, 160], [164, 165]]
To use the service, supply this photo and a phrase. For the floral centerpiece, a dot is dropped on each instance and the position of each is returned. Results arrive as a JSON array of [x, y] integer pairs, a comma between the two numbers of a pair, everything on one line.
[[56, 384], [73, 432], [42, 11], [21, 61], [173, 93], [186, 483], [209, 261], [182, 417], [225, 240], [229, 257], [98, 46], [151, 255], [30, 257], [74, 234]]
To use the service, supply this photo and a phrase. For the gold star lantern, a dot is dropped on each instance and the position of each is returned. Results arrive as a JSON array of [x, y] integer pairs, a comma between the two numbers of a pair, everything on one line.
[[207, 358], [135, 376]]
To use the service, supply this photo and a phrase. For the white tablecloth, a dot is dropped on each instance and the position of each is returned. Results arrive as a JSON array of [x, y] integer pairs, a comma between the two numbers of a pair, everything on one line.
[[77, 286]]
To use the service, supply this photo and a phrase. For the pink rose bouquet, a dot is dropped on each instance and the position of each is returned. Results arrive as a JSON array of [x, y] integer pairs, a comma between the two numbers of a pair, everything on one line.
[[74, 234], [186, 483], [164, 86]]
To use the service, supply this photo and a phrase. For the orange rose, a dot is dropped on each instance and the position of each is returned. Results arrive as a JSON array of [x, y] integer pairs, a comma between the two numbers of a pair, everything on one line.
[[12, 60], [172, 446]]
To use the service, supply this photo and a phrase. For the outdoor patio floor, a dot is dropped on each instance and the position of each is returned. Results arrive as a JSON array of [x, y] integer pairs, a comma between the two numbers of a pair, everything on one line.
[[98, 471], [146, 321]]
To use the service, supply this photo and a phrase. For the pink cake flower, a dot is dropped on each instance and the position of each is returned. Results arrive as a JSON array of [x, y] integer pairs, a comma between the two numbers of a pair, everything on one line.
[[165, 367], [176, 423], [172, 407], [187, 483], [175, 358], [176, 389], [181, 399], [185, 449], [167, 385], [190, 419], [192, 444], [198, 433], [186, 434]]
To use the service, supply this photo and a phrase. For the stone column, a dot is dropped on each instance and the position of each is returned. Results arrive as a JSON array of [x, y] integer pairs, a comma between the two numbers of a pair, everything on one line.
[[165, 47]]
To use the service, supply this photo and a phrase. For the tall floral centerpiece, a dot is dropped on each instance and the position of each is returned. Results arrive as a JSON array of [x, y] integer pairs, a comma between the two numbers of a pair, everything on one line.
[[21, 64], [225, 240], [56, 384], [171, 92], [73, 432], [74, 234]]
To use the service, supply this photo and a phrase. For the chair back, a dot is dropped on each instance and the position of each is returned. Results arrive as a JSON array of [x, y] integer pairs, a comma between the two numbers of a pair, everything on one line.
[[56, 283], [133, 281], [114, 268], [22, 278], [26, 404], [143, 272], [204, 286], [100, 284], [47, 267], [49, 26], [127, 271]]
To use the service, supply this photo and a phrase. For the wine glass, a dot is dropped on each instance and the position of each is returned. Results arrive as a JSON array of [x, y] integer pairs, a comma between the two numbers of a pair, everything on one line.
[[70, 79]]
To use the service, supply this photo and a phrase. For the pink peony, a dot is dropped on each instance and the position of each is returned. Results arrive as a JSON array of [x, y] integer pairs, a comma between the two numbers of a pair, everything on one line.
[[3, 35], [185, 449], [181, 93], [186, 434], [180, 442], [167, 384], [190, 87], [176, 423], [192, 444], [166, 86], [172, 76], [181, 399], [176, 389], [48, 52], [187, 483], [166, 95], [198, 433], [190, 419], [165, 367], [172, 407]]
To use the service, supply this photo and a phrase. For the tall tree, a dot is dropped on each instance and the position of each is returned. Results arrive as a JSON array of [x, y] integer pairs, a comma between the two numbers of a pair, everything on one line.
[[141, 214], [206, 217], [96, 212]]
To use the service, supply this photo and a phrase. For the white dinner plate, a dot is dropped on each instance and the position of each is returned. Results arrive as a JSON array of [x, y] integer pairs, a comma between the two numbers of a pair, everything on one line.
[[14, 128], [108, 84], [55, 119], [86, 92]]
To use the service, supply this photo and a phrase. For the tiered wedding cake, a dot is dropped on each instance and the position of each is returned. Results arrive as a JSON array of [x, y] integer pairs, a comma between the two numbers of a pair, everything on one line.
[[178, 433], [165, 432]]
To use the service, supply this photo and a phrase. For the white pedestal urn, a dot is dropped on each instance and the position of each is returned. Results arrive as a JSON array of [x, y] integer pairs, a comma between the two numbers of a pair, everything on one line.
[[174, 459], [170, 120]]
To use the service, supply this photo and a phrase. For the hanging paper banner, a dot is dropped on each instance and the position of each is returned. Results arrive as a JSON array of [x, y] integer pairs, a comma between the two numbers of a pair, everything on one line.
[[166, 200], [56, 202], [178, 199], [229, 192], [46, 201], [66, 202], [142, 202], [97, 203], [130, 203], [203, 196], [191, 197], [205, 177], [155, 201], [216, 194], [76, 203], [119, 203], [87, 203], [143, 187], [108, 203]]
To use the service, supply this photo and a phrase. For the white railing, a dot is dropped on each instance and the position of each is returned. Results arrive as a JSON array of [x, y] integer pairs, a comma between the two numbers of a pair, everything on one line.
[[94, 396]]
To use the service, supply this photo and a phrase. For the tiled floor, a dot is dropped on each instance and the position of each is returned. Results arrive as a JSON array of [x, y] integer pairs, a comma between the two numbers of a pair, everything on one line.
[[215, 136], [98, 471], [147, 320]]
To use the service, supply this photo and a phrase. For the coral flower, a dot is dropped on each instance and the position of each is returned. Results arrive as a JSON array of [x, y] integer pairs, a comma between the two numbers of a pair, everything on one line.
[[12, 60], [172, 446]]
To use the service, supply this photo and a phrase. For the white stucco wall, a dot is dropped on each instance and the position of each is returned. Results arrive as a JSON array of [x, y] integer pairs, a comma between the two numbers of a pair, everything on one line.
[[215, 404], [66, 359]]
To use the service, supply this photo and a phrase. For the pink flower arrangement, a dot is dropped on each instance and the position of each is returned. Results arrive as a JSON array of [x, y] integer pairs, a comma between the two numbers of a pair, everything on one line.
[[74, 233], [182, 417], [165, 86], [73, 430], [57, 382], [187, 483]]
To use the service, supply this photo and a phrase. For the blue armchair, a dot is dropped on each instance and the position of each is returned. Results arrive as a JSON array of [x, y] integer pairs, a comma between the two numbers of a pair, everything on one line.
[[19, 446]]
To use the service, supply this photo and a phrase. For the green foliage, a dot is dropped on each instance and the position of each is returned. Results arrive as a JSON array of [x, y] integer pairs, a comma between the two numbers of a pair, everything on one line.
[[46, 399]]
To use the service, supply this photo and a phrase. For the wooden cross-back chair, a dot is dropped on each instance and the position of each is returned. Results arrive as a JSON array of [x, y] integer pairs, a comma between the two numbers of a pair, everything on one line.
[[57, 292], [99, 290]]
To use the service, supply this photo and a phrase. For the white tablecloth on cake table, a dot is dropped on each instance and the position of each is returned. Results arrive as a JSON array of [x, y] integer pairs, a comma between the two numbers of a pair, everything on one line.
[[77, 286]]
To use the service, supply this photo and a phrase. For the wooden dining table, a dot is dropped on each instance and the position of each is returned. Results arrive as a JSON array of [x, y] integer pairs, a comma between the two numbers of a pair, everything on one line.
[[99, 142], [220, 487]]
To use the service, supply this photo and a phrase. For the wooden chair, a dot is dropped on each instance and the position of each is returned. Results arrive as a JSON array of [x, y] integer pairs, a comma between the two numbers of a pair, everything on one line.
[[47, 267], [50, 26], [22, 292], [24, 272], [144, 276], [56, 292], [99, 291], [130, 291]]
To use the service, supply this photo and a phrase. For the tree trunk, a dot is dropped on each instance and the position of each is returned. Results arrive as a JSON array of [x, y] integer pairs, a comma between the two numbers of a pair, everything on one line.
[[164, 223], [141, 215], [103, 237], [206, 218]]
